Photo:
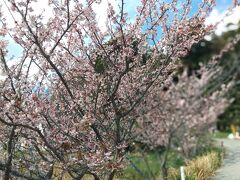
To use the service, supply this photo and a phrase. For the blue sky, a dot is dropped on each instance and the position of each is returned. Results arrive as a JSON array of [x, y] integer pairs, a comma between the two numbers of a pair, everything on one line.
[[14, 50]]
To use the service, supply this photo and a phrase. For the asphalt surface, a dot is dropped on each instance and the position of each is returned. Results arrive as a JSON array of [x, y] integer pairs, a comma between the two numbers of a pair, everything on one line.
[[230, 169]]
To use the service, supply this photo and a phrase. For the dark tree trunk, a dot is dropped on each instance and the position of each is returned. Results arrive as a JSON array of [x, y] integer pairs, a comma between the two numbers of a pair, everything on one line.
[[95, 177], [10, 148], [111, 175], [164, 169]]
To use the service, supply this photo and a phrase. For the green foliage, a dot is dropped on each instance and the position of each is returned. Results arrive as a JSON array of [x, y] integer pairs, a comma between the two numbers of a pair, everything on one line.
[[100, 65], [201, 53], [202, 165], [220, 135], [140, 162], [149, 165], [206, 145], [148, 162], [134, 46], [232, 114]]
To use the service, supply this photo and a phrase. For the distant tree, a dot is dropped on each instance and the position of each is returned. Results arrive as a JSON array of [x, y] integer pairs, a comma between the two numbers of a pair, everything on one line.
[[202, 52], [176, 117]]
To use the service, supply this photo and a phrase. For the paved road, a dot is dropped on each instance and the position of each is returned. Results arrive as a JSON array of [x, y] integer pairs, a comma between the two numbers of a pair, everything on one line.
[[230, 169]]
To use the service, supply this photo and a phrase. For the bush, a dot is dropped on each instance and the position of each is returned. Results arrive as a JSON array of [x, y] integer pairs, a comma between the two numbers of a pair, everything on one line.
[[200, 168]]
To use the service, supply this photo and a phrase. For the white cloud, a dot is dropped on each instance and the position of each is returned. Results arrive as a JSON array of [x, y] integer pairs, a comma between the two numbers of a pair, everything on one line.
[[101, 12], [222, 27], [39, 7]]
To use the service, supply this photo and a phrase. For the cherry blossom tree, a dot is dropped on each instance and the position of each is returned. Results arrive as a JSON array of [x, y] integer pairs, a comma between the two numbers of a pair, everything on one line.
[[179, 114], [78, 108]]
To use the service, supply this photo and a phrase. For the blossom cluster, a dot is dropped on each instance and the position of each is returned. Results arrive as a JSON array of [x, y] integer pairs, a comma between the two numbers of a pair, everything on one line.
[[79, 107]]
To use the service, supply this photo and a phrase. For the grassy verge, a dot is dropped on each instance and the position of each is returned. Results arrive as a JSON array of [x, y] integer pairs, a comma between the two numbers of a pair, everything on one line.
[[202, 164], [141, 166], [148, 165], [200, 168], [221, 135]]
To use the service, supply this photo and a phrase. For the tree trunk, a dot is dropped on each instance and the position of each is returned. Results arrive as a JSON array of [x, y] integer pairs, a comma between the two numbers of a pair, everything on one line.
[[111, 175], [164, 169], [95, 177], [10, 148]]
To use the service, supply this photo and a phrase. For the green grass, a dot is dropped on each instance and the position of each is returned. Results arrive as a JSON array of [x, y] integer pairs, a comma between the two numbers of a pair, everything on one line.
[[220, 135], [141, 163], [153, 163], [175, 160]]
